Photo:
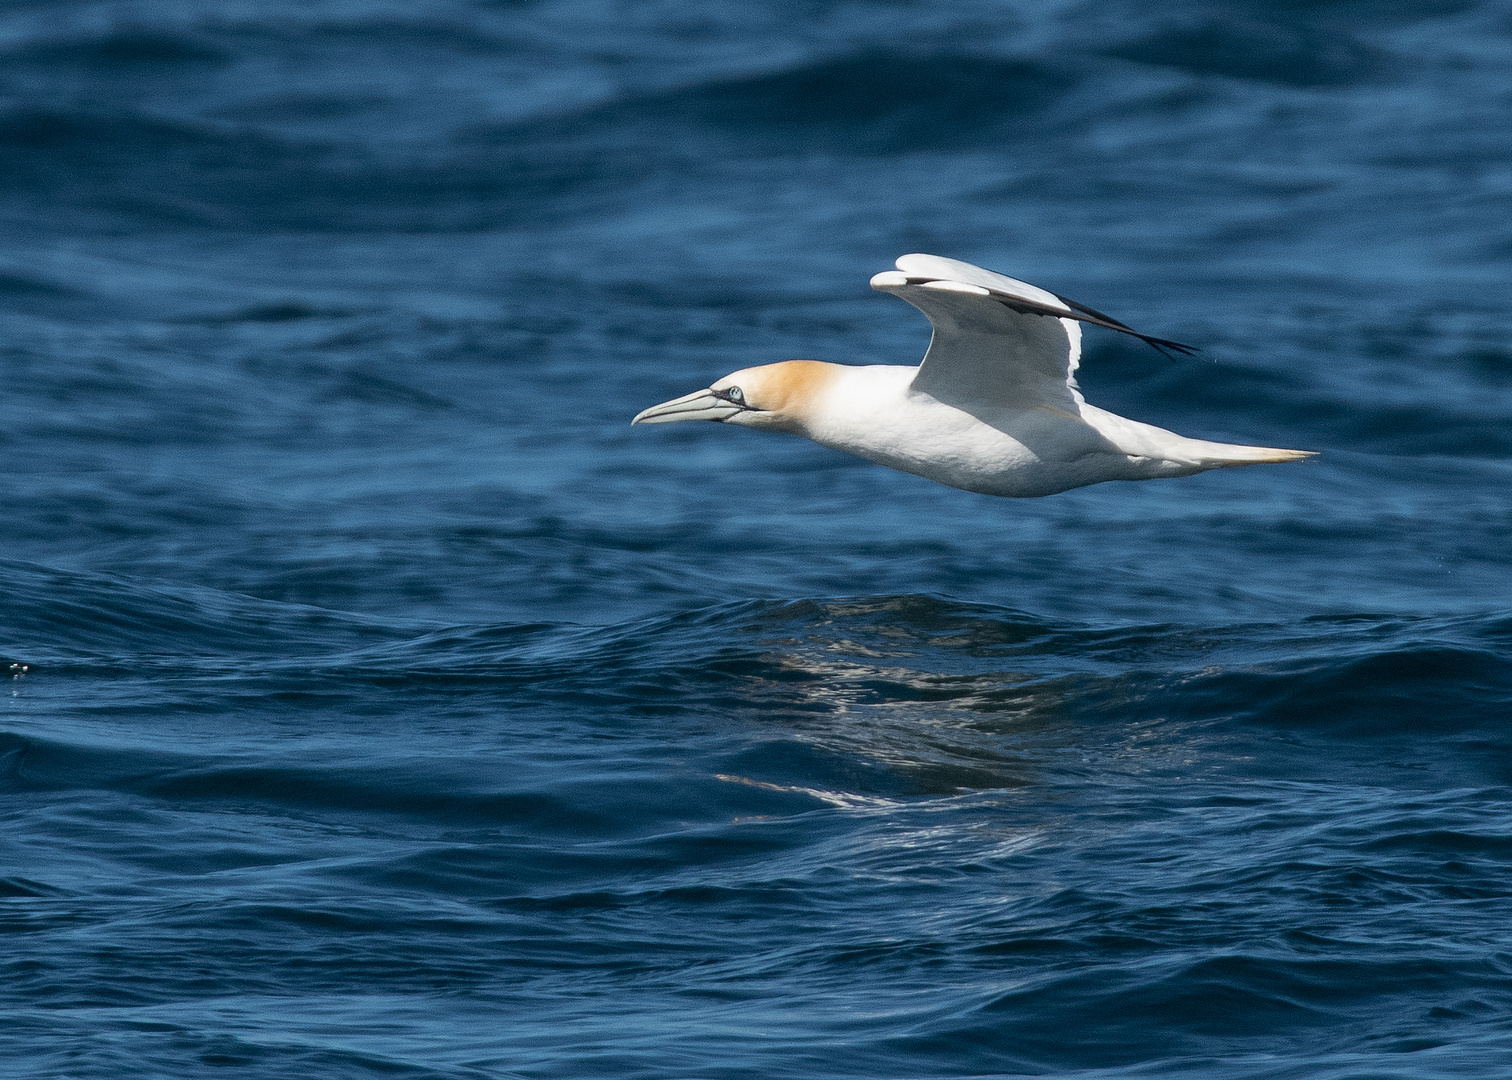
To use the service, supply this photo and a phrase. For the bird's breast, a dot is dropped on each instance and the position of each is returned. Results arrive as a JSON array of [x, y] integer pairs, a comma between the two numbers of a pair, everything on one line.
[[999, 452]]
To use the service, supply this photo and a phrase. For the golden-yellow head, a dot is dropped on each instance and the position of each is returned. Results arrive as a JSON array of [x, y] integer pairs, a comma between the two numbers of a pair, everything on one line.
[[780, 396]]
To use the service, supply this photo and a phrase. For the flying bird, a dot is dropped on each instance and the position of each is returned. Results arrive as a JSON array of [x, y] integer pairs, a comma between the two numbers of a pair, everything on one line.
[[993, 408]]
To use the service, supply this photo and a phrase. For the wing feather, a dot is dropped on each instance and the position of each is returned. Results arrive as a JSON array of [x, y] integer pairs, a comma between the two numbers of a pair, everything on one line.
[[921, 269], [997, 341]]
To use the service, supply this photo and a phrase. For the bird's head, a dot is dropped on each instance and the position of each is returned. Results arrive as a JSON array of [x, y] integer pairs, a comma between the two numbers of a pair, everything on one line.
[[779, 396]]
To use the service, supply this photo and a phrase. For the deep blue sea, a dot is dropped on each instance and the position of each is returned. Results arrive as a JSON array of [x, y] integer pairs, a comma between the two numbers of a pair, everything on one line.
[[379, 703]]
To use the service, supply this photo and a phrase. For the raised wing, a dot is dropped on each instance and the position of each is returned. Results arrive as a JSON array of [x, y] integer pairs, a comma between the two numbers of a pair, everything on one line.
[[997, 340], [920, 269]]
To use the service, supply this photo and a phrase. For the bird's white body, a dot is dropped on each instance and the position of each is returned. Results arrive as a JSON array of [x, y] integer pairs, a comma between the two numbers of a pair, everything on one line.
[[875, 413], [994, 408]]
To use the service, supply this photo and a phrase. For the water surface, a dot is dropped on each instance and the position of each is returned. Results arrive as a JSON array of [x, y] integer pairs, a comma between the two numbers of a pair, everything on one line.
[[382, 704]]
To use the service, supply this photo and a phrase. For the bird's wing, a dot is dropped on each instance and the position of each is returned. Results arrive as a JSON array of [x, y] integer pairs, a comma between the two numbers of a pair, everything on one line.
[[997, 341]]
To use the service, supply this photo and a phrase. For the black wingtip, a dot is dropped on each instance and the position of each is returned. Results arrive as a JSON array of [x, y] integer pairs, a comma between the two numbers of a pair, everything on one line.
[[1107, 320], [1161, 345], [1168, 349]]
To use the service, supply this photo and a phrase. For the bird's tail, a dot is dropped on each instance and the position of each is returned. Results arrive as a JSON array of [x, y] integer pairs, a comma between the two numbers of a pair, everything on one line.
[[1222, 455], [1157, 445]]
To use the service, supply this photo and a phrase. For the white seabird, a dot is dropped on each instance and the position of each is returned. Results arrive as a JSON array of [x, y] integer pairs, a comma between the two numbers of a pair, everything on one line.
[[993, 407]]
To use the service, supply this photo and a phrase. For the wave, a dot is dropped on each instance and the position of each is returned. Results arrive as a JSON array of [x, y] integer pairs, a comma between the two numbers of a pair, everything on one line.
[[127, 164], [58, 615], [66, 615], [61, 150], [871, 102], [1260, 50], [869, 696], [130, 49]]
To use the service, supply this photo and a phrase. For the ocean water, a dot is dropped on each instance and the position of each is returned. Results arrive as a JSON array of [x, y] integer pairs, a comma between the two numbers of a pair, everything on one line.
[[381, 704]]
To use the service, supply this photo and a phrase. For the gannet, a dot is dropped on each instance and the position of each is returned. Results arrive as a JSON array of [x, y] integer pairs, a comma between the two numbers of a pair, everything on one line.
[[993, 408]]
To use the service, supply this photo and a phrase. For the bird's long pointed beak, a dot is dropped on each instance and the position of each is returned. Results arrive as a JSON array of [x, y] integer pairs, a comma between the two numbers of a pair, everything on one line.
[[699, 405]]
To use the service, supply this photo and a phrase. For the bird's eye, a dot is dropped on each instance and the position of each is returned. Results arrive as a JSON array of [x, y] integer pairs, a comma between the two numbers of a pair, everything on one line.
[[736, 395]]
